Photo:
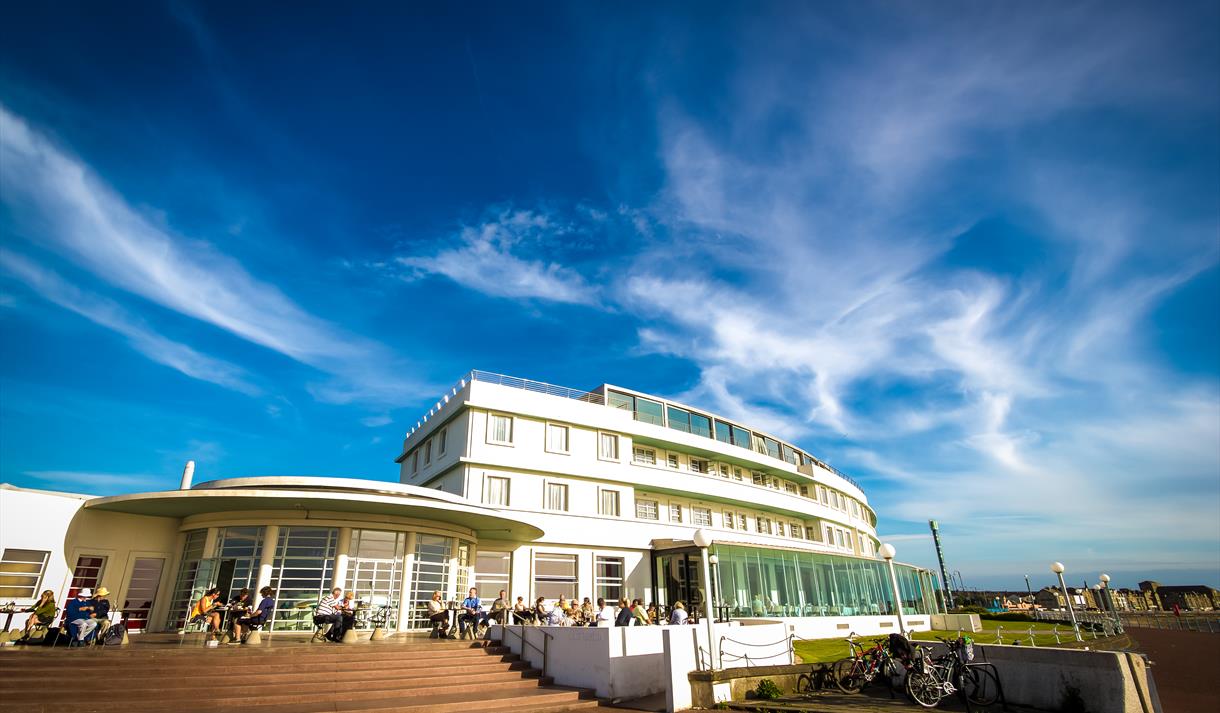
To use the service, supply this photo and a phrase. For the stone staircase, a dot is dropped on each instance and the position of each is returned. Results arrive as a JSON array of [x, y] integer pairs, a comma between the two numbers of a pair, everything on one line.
[[372, 677]]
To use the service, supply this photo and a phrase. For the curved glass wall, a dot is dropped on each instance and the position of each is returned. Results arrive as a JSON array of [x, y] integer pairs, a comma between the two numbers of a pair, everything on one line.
[[374, 567], [187, 587], [431, 571], [303, 570], [761, 582]]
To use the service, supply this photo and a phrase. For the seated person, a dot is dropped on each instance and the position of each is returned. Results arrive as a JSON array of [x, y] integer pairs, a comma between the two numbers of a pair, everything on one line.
[[521, 613], [639, 615], [205, 610], [557, 616], [438, 615], [541, 611], [329, 611], [473, 615], [499, 609], [678, 614], [79, 615], [349, 606], [239, 606], [623, 617], [262, 614], [101, 611], [604, 615], [41, 614]]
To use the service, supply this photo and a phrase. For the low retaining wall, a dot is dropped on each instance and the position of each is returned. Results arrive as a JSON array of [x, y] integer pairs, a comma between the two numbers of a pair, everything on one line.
[[615, 662], [1047, 678], [959, 622], [711, 687], [831, 627], [684, 647]]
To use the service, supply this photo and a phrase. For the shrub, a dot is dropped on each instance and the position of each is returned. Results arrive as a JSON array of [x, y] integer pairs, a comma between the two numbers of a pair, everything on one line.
[[767, 690], [971, 609]]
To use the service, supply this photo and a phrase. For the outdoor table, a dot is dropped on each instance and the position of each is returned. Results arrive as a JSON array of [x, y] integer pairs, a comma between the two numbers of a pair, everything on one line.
[[10, 609], [454, 613]]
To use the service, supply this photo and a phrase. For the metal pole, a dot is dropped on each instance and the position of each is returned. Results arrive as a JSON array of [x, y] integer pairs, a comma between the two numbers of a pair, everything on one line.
[[940, 556], [1071, 612], [897, 597], [707, 610]]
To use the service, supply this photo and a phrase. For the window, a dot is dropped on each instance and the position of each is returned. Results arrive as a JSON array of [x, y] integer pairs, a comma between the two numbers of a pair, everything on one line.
[[675, 512], [698, 466], [789, 487], [724, 470], [21, 573], [741, 521], [758, 478], [729, 521], [839, 537], [763, 525], [830, 535], [672, 460], [774, 484], [823, 496], [141, 591], [87, 574], [737, 474], [772, 447], [811, 533], [741, 437], [790, 455], [495, 491], [556, 438], [779, 529], [644, 456], [724, 432], [442, 439], [427, 452], [415, 462], [757, 444], [700, 425], [797, 530], [491, 570], [608, 573], [607, 446], [554, 575], [556, 497], [499, 429], [646, 510], [608, 503], [855, 508], [701, 516], [641, 409], [679, 420], [804, 491]]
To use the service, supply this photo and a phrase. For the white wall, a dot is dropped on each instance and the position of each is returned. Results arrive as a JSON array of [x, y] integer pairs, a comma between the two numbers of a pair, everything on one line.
[[617, 662], [38, 520], [686, 649], [831, 627]]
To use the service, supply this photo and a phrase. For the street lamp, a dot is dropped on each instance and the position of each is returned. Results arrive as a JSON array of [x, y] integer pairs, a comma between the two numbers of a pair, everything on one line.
[[703, 540], [1057, 568], [887, 551], [1108, 598], [714, 561]]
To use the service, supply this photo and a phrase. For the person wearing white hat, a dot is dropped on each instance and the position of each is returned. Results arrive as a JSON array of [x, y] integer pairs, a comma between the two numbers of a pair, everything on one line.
[[80, 616]]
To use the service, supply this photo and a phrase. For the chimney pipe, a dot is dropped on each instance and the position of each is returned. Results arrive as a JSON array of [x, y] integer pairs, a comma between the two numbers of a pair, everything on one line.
[[187, 473]]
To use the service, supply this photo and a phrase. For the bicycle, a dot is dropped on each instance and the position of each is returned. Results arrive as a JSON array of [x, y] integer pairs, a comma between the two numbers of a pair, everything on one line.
[[853, 673], [931, 679]]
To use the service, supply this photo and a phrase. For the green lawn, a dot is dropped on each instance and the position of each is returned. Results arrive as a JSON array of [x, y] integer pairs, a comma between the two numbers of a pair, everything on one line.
[[828, 650]]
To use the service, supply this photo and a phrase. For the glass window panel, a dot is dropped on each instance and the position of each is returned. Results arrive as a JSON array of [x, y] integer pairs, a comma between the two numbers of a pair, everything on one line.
[[700, 425], [609, 578], [303, 569], [741, 437], [608, 504], [184, 593], [141, 591], [607, 446], [772, 447], [557, 438], [649, 411], [644, 456], [675, 512], [21, 573], [495, 490], [701, 516], [556, 496], [554, 575], [622, 401], [646, 509], [501, 428], [679, 420], [491, 572], [724, 432], [429, 574]]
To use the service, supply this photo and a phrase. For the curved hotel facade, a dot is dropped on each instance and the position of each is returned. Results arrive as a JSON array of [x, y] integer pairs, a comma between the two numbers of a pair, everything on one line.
[[505, 484]]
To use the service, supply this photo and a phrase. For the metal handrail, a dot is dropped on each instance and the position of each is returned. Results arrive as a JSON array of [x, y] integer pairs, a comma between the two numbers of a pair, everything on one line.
[[526, 642]]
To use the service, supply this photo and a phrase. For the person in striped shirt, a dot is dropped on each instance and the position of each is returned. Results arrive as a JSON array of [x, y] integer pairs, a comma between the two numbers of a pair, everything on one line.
[[330, 611]]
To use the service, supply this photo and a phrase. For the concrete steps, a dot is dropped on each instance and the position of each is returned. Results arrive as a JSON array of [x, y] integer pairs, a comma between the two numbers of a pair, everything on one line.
[[296, 678]]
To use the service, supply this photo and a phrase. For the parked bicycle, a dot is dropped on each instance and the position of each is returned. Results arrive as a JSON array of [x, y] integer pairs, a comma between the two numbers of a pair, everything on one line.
[[930, 679], [884, 660]]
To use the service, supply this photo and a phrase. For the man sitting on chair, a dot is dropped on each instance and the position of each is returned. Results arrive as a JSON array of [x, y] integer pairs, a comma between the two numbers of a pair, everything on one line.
[[330, 611], [474, 615], [260, 617], [79, 615]]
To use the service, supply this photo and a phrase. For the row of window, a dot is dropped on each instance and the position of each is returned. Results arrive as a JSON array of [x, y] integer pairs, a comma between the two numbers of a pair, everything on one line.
[[441, 440], [644, 455], [687, 421], [555, 575]]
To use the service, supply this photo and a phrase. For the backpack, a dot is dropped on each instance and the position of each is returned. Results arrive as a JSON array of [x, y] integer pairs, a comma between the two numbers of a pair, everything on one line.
[[900, 647]]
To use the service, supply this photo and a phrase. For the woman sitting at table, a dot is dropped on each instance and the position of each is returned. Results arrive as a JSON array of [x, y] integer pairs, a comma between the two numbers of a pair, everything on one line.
[[521, 613], [439, 616], [261, 616], [206, 610], [43, 612]]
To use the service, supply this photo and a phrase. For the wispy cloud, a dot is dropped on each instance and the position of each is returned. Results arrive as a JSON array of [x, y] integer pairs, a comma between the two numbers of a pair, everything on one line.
[[91, 482], [109, 314], [483, 259], [76, 214]]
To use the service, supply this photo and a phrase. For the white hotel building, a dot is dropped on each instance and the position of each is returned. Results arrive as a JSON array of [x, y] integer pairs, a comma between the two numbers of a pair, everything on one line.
[[507, 484]]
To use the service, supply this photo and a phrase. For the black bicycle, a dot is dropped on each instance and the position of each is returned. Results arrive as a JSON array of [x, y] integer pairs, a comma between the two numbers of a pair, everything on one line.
[[931, 679]]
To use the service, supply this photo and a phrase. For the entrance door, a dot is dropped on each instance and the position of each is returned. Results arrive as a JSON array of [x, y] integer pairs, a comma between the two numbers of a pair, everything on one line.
[[141, 592]]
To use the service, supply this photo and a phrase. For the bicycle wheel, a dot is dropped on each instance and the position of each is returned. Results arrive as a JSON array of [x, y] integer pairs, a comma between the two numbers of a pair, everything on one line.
[[849, 674], [981, 686], [924, 688], [804, 684]]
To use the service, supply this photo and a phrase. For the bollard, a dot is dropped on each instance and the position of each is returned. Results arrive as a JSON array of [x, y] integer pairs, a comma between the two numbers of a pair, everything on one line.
[[999, 634], [349, 636], [1031, 636], [1056, 631], [378, 634], [254, 638], [125, 640]]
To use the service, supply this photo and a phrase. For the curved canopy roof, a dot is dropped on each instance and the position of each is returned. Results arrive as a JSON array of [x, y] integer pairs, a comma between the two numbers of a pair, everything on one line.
[[366, 497]]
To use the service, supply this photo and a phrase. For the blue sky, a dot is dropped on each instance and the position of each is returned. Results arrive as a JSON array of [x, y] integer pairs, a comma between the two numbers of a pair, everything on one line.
[[967, 252]]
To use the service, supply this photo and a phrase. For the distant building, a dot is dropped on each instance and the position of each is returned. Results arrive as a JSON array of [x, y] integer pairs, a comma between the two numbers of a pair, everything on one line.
[[1189, 597]]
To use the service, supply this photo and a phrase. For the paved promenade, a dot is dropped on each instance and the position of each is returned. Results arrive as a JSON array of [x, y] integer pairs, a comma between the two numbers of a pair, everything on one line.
[[1186, 668]]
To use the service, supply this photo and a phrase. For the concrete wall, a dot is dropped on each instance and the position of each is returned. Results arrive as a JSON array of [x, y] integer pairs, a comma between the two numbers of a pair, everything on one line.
[[1114, 682], [38, 520], [765, 643], [616, 662], [830, 627], [955, 622]]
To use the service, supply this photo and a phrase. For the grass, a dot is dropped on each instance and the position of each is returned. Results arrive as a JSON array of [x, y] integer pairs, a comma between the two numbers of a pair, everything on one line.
[[829, 650]]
